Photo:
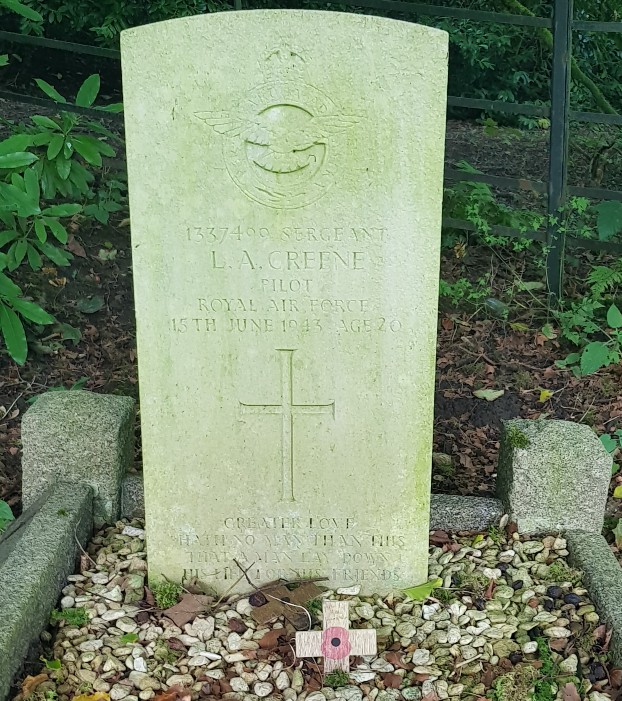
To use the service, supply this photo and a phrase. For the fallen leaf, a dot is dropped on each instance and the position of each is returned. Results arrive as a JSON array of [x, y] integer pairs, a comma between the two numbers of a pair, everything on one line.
[[422, 591], [545, 395], [615, 677], [270, 639], [397, 660], [392, 681], [31, 683], [174, 693], [558, 644], [90, 305], [439, 538], [176, 644], [97, 696], [237, 626], [489, 394], [188, 608], [570, 693], [431, 696], [489, 590], [76, 248]]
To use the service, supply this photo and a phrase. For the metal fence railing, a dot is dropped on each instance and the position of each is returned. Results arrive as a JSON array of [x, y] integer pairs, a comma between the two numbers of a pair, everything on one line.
[[562, 25]]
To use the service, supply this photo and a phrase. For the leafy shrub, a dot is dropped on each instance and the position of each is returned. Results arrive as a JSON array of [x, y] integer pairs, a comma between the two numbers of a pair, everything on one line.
[[53, 159]]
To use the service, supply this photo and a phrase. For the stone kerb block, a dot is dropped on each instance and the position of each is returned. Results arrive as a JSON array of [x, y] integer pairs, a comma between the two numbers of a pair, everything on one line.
[[553, 475], [82, 437]]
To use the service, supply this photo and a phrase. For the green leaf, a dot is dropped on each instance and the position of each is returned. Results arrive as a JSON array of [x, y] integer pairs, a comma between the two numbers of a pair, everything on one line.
[[90, 305], [87, 150], [5, 512], [40, 231], [32, 312], [609, 443], [63, 167], [17, 160], [51, 664], [422, 591], [614, 317], [609, 220], [50, 91], [88, 91], [56, 255], [21, 247], [70, 333], [617, 492], [59, 231], [4, 61], [55, 145], [31, 183], [489, 394], [617, 532], [115, 107], [26, 207], [45, 122], [34, 259], [14, 334], [8, 288], [548, 331], [62, 210], [594, 356], [6, 236], [23, 10], [128, 638], [17, 142]]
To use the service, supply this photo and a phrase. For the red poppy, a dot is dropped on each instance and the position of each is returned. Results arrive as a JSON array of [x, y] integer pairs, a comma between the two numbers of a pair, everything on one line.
[[336, 643]]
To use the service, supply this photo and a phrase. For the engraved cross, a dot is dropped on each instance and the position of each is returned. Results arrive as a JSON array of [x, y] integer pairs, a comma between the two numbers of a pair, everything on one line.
[[287, 409]]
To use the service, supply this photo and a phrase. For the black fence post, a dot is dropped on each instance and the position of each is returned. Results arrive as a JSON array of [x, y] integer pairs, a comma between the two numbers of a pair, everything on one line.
[[558, 143]]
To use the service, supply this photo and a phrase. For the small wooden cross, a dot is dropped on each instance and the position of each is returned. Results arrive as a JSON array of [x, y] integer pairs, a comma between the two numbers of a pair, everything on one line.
[[278, 599], [336, 642]]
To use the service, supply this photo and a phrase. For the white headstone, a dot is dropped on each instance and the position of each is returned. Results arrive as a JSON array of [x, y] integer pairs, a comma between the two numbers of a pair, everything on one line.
[[285, 187]]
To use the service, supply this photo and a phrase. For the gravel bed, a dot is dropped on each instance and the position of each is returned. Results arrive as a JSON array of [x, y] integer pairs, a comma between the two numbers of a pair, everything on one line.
[[510, 620]]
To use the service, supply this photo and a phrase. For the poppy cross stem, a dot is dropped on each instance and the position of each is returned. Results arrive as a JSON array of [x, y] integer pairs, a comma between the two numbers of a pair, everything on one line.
[[336, 643]]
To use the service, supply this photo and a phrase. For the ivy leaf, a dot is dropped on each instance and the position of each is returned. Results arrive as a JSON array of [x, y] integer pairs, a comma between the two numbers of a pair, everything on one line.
[[14, 334], [422, 591], [594, 357], [609, 443], [609, 221], [88, 91], [614, 317], [90, 305]]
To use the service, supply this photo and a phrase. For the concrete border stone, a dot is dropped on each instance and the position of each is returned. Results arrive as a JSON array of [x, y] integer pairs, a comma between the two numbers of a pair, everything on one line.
[[602, 576], [456, 513], [83, 437], [553, 476], [37, 554]]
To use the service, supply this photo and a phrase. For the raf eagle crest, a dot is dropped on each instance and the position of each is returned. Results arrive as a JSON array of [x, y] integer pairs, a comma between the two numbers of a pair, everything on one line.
[[282, 144]]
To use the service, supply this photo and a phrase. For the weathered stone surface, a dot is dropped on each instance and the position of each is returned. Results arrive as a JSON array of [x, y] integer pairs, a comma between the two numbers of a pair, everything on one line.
[[553, 475], [602, 575], [133, 496], [286, 185], [457, 513], [82, 437], [37, 553]]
